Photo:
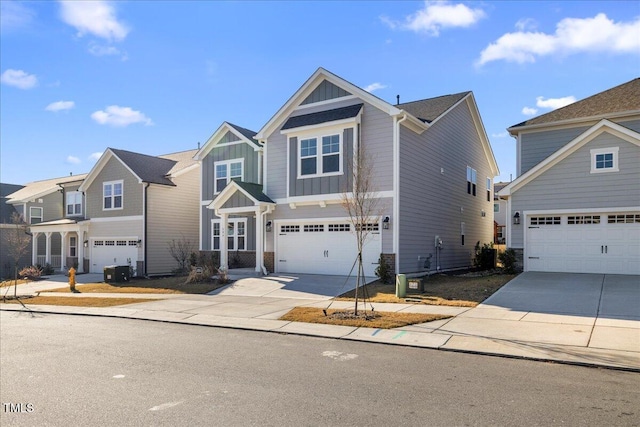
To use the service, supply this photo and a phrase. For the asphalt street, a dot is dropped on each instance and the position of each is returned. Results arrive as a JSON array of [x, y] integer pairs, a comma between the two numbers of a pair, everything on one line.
[[71, 370]]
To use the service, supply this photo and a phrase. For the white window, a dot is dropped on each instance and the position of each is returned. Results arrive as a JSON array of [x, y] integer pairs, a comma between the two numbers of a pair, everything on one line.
[[604, 160], [112, 195], [462, 232], [488, 189], [324, 160], [226, 171], [73, 246], [496, 207], [471, 180], [236, 234], [74, 203], [35, 214]]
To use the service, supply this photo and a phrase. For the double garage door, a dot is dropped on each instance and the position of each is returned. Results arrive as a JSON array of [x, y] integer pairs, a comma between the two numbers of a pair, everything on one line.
[[106, 252], [591, 243], [324, 247]]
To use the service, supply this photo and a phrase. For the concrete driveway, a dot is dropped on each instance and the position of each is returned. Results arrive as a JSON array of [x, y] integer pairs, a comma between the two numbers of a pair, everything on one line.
[[300, 286]]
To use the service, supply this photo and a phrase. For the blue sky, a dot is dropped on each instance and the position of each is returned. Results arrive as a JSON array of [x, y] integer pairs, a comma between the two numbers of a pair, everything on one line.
[[160, 76]]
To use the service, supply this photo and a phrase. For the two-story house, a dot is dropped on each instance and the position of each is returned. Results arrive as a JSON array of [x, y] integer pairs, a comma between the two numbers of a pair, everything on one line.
[[433, 173], [7, 227], [125, 211], [575, 206]]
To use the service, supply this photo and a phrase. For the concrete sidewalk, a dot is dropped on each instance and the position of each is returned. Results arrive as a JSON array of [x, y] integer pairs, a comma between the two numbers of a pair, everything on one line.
[[600, 328]]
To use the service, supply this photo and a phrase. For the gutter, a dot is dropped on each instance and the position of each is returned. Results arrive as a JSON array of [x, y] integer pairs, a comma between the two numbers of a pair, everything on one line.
[[144, 229]]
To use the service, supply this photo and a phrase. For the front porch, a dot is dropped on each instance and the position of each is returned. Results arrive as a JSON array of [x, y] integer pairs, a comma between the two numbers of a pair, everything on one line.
[[60, 245]]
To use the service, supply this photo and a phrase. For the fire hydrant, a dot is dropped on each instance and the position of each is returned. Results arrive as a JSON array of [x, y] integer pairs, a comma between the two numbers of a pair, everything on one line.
[[72, 279]]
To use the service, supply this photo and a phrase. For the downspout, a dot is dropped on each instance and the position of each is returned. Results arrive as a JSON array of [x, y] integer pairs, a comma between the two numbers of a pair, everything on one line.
[[144, 230], [264, 238], [396, 187]]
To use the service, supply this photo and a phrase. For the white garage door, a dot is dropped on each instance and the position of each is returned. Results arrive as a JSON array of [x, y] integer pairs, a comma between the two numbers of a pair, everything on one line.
[[324, 248], [593, 243], [106, 252]]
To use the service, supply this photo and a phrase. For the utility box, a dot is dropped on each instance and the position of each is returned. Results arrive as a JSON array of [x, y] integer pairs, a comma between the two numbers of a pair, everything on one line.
[[116, 274], [401, 286]]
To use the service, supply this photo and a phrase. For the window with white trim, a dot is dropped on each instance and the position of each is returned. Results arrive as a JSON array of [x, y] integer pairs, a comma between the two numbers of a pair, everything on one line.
[[314, 161], [604, 160], [236, 234], [462, 233], [488, 189], [471, 180], [226, 171], [73, 246], [496, 207], [112, 195], [74, 203], [35, 215]]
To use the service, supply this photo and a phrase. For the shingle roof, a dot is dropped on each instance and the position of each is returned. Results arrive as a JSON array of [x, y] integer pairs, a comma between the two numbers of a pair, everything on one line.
[[148, 168], [323, 116], [255, 190], [247, 133], [183, 159], [620, 99], [430, 109], [35, 189]]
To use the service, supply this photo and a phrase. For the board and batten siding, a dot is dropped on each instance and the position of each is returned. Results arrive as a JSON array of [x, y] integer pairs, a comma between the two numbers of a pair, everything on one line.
[[325, 91], [172, 214], [114, 170], [433, 193], [570, 185], [224, 152]]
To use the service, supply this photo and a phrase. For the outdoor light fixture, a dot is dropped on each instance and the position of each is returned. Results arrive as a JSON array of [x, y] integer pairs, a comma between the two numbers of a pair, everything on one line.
[[86, 243], [139, 242], [268, 226], [385, 222], [516, 218]]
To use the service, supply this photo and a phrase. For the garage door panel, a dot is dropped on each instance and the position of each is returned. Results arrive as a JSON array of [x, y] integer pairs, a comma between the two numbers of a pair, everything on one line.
[[106, 252]]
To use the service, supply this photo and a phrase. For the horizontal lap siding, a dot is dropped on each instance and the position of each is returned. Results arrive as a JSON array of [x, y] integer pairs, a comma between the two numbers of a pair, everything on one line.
[[570, 185], [377, 140], [114, 170], [276, 167], [431, 201]]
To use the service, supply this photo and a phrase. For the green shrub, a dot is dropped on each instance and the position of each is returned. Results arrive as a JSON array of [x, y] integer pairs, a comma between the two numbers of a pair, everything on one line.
[[383, 271], [485, 256], [508, 261]]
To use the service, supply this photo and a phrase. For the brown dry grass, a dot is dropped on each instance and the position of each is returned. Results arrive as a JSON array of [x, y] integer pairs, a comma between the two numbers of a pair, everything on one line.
[[381, 320], [440, 289], [6, 283], [77, 301], [164, 285]]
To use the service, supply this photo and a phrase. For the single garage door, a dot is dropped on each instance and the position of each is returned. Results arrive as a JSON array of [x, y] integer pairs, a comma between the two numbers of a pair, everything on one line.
[[594, 243], [106, 252], [324, 247]]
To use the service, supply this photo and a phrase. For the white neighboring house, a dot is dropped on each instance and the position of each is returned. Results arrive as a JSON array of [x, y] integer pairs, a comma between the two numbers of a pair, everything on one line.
[[575, 206]]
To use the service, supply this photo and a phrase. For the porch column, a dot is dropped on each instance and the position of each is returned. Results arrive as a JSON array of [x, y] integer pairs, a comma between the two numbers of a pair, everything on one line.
[[47, 251], [259, 240], [34, 248], [224, 259], [63, 258], [80, 251]]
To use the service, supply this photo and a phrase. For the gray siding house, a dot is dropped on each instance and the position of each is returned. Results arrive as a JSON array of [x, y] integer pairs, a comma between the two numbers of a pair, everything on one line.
[[6, 228], [575, 206], [433, 171]]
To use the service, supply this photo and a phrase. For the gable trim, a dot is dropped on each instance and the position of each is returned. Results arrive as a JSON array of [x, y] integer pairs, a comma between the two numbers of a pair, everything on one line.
[[601, 127], [228, 191], [106, 156], [219, 133]]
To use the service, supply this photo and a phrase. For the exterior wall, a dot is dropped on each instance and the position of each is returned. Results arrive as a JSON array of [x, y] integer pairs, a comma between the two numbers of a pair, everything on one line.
[[238, 200], [433, 193], [325, 91], [172, 213], [7, 263], [52, 204], [207, 231], [574, 187], [67, 189], [132, 190], [228, 152]]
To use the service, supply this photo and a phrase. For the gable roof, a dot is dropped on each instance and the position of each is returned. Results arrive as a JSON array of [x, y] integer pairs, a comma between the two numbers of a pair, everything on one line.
[[147, 168], [184, 161], [430, 109], [250, 190], [595, 130], [243, 134], [617, 101], [323, 117], [37, 189]]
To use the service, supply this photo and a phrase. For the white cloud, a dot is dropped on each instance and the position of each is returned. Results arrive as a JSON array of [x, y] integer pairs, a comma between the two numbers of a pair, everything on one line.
[[60, 106], [500, 135], [115, 115], [97, 18], [554, 103], [526, 24], [572, 35], [101, 50], [95, 156], [528, 111], [19, 79], [438, 15], [14, 15], [374, 86], [73, 160]]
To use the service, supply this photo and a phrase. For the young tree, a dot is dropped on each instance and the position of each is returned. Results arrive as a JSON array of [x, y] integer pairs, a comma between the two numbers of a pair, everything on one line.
[[363, 207], [181, 251], [17, 241]]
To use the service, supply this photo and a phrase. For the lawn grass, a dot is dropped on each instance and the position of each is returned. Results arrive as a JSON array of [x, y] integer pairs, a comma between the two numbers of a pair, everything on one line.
[[76, 302], [466, 290], [11, 282], [378, 319], [164, 285]]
